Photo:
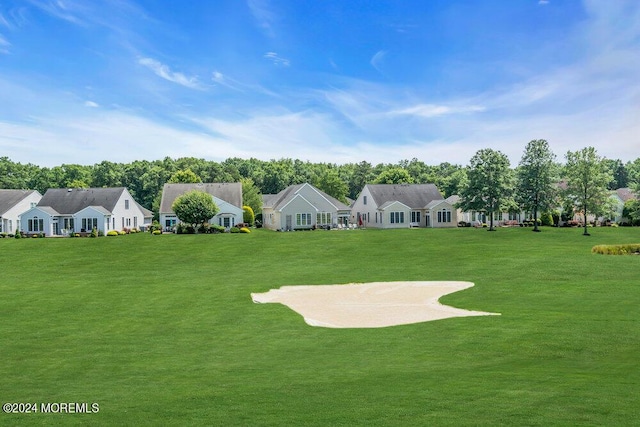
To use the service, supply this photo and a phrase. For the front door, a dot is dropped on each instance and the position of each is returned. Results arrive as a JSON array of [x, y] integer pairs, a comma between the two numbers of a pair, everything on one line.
[[289, 220]]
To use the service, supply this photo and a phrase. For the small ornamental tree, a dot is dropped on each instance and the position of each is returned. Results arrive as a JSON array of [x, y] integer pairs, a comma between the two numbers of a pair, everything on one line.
[[247, 215], [195, 208]]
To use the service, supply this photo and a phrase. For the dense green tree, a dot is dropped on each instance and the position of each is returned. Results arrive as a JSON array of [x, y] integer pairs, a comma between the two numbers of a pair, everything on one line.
[[631, 210], [489, 183], [107, 174], [13, 176], [618, 173], [331, 183], [184, 176], [251, 195], [587, 179], [360, 175], [195, 208], [394, 175], [536, 178]]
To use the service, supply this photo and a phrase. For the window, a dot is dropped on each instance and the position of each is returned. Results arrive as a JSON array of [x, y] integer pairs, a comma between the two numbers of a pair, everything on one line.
[[364, 200], [126, 204], [397, 218], [68, 224], [36, 225], [444, 215], [323, 218], [303, 219], [89, 224], [513, 216], [415, 216]]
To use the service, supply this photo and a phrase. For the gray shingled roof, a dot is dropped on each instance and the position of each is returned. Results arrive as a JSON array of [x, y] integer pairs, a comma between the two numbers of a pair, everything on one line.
[[9, 198], [69, 201], [230, 192], [625, 194], [277, 201], [416, 196]]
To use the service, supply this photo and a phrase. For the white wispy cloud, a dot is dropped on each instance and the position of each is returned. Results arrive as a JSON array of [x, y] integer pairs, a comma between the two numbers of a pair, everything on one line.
[[66, 10], [91, 104], [377, 59], [262, 13], [165, 72], [277, 59], [543, 2], [4, 45], [433, 110]]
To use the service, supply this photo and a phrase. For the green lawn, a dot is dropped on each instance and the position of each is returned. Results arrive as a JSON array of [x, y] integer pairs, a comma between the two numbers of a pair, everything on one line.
[[161, 330]]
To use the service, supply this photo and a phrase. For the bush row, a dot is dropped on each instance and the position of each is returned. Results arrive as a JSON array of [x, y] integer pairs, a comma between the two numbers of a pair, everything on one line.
[[628, 249]]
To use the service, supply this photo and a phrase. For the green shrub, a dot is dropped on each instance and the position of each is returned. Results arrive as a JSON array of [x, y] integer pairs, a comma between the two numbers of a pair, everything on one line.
[[112, 233], [245, 230], [122, 232], [234, 230], [546, 219], [247, 215], [18, 235], [216, 229], [156, 232], [633, 248], [94, 232]]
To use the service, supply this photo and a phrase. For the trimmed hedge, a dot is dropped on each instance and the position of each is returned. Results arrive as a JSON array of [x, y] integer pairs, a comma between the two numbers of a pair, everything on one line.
[[628, 249], [112, 233]]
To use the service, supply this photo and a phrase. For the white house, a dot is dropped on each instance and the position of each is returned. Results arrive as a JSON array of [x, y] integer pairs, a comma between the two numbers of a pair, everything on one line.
[[402, 206], [12, 204], [302, 206], [227, 196], [443, 213], [62, 211]]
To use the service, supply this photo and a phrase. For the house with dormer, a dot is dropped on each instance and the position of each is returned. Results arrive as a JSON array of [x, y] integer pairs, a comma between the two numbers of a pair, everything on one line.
[[403, 206]]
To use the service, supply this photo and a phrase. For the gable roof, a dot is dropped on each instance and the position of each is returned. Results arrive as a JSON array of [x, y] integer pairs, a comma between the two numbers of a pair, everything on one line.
[[415, 196], [230, 192], [10, 198], [625, 194], [72, 200], [278, 201]]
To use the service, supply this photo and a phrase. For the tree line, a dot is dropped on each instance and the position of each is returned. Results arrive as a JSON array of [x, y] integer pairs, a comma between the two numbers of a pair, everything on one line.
[[145, 179]]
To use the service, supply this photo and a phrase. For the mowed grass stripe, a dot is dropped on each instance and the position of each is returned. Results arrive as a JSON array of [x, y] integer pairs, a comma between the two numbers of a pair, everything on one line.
[[162, 329]]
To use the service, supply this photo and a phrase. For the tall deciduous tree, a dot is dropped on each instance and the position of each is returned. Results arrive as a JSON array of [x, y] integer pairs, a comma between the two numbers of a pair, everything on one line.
[[394, 175], [536, 176], [489, 183], [186, 176], [195, 208], [587, 179]]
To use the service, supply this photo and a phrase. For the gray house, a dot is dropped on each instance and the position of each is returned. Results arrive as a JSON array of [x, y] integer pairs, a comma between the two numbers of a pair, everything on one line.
[[302, 207], [62, 211], [12, 204], [402, 206], [227, 196]]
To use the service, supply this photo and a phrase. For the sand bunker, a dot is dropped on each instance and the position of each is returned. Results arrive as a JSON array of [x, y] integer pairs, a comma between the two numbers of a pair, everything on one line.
[[369, 305]]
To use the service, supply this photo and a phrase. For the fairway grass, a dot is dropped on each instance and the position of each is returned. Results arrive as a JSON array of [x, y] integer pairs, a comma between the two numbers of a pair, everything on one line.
[[161, 330]]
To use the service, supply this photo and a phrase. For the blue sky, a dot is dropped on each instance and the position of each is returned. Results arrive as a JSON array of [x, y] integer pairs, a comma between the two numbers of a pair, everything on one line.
[[319, 80]]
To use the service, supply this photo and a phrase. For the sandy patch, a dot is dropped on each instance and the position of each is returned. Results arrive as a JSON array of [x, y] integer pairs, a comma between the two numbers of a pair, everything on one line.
[[369, 305]]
